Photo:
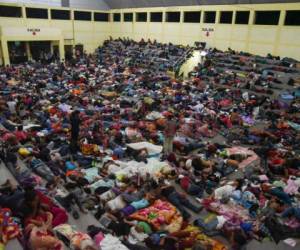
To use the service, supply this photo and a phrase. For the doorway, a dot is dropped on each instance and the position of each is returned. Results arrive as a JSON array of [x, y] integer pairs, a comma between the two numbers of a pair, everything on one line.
[[55, 52], [68, 52], [40, 50], [17, 52], [78, 50]]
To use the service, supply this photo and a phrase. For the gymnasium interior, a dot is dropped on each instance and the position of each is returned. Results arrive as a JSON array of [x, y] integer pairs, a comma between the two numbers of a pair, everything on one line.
[[149, 124]]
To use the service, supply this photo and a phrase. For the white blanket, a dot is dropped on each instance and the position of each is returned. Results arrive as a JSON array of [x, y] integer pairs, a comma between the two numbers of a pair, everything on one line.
[[112, 243], [131, 168], [154, 115], [29, 126], [152, 149]]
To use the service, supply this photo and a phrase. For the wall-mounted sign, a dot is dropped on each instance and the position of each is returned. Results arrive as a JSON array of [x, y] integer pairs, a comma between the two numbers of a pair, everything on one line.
[[33, 31], [27, 33], [208, 31]]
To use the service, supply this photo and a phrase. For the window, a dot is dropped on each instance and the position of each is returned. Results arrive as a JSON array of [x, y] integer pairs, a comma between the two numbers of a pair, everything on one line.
[[226, 17], [128, 17], [60, 14], [101, 17], [117, 17], [82, 16], [173, 17], [267, 17], [292, 17], [156, 17], [10, 11], [192, 17], [37, 13], [242, 17], [209, 17], [141, 17]]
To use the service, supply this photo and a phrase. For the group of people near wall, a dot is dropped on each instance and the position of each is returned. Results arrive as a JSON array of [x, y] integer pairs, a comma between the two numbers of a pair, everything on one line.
[[207, 162]]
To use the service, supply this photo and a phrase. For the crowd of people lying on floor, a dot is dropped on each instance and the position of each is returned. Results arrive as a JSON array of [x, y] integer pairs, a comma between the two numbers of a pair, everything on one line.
[[160, 163], [150, 55]]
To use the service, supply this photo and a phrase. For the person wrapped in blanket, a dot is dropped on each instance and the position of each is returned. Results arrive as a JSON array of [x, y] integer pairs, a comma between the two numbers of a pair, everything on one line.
[[190, 237], [9, 229], [39, 234], [74, 239], [38, 216], [37, 203]]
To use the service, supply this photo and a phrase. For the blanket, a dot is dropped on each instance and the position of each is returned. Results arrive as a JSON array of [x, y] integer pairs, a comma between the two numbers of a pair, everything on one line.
[[131, 168], [108, 94], [191, 234], [151, 148], [294, 125], [251, 157], [231, 211], [111, 243], [154, 115], [9, 229], [77, 240], [157, 215]]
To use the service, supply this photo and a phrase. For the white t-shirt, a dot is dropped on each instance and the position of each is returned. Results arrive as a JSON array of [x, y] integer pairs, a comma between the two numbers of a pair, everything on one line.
[[12, 106], [221, 221], [198, 107], [224, 192], [135, 237]]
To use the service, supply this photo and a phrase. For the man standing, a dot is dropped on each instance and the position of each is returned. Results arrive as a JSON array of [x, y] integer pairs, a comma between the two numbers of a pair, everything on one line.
[[75, 127], [169, 133]]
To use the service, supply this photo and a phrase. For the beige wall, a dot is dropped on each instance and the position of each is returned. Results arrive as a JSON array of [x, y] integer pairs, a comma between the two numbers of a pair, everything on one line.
[[89, 33], [258, 39]]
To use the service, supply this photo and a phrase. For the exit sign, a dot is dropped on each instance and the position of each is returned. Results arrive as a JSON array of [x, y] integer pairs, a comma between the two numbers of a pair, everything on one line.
[[208, 31], [33, 31]]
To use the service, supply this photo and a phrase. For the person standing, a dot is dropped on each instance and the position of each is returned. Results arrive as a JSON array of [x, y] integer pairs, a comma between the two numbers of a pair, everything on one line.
[[75, 128], [169, 133]]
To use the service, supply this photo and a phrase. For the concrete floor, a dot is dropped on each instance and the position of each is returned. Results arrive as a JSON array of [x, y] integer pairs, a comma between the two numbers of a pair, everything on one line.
[[81, 224], [86, 220]]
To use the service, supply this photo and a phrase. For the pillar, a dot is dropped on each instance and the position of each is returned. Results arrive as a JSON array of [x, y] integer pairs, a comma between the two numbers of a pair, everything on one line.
[[279, 27], [232, 29], [182, 40], [28, 51], [1, 56], [5, 53], [51, 47], [218, 16], [61, 50], [162, 36], [249, 26]]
